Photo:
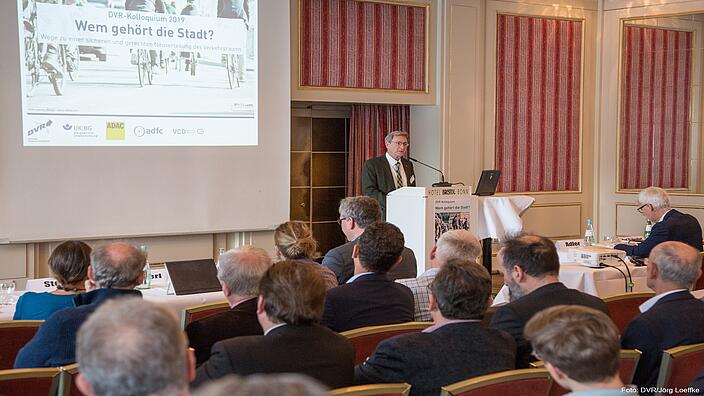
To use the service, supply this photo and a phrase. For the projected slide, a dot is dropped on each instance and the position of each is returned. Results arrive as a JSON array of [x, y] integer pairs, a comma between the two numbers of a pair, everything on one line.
[[139, 72]]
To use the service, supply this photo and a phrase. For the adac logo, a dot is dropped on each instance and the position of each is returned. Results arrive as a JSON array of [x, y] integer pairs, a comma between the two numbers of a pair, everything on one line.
[[67, 127], [39, 127], [115, 130]]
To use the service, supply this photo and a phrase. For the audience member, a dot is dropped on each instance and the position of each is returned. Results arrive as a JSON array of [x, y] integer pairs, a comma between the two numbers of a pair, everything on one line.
[[294, 241], [369, 298], [673, 317], [239, 272], [289, 307], [580, 347], [133, 347], [263, 385], [530, 268], [356, 214], [453, 244], [455, 348], [115, 271], [69, 265], [668, 224]]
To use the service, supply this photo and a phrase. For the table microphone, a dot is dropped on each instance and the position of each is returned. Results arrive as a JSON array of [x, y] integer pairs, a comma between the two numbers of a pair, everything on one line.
[[442, 182]]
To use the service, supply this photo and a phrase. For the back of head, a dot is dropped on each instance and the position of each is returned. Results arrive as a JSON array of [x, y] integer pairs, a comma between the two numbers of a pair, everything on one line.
[[655, 196], [241, 269], [677, 263], [293, 293], [264, 385], [129, 346], [69, 262], [294, 240], [117, 265], [457, 244], [582, 342], [535, 254], [380, 247], [362, 209], [462, 289]]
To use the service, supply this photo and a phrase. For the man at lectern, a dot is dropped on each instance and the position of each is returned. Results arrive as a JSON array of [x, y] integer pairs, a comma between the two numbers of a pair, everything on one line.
[[385, 173]]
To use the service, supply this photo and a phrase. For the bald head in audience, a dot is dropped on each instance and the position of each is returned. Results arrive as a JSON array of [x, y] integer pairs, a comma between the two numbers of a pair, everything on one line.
[[116, 266], [240, 270], [673, 265], [133, 347], [457, 245]]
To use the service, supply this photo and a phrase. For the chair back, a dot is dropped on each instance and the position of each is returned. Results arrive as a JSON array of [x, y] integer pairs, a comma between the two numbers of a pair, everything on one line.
[[624, 307], [373, 390], [366, 339], [191, 314], [523, 382], [67, 383], [36, 381], [14, 334], [680, 365]]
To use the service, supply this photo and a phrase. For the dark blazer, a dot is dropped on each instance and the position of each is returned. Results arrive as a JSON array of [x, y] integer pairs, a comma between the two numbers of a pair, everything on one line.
[[306, 349], [675, 226], [429, 361], [370, 300], [238, 321], [676, 319], [339, 260], [513, 316], [377, 179]]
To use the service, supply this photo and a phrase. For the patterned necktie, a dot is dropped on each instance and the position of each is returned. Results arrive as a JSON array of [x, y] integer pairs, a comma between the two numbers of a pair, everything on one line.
[[399, 179]]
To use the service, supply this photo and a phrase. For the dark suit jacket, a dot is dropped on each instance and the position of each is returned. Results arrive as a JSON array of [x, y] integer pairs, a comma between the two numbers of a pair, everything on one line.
[[676, 319], [370, 300], [513, 316], [428, 361], [675, 226], [377, 179], [339, 260], [238, 321], [306, 349]]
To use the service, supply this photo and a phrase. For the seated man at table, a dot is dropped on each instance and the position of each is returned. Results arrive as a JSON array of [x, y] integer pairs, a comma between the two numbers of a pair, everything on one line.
[[115, 270], [455, 348], [239, 272], [668, 224], [289, 307], [133, 347], [580, 348], [369, 298], [673, 317], [453, 244], [530, 267], [356, 214]]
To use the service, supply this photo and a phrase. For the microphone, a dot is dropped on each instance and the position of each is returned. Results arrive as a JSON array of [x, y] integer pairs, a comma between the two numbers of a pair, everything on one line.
[[442, 182]]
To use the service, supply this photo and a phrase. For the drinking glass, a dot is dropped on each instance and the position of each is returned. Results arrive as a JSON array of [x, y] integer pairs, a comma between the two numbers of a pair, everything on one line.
[[7, 291]]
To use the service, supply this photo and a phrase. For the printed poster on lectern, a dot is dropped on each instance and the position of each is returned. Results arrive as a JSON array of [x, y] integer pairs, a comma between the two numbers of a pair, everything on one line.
[[452, 213]]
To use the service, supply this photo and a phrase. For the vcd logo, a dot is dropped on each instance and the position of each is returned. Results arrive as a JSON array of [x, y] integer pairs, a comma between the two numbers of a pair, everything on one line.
[[39, 127], [140, 131], [115, 130]]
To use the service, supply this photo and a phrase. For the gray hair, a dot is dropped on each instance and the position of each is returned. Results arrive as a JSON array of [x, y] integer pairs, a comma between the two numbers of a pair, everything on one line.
[[263, 385], [457, 244], [391, 135], [364, 210], [130, 346], [117, 265], [241, 269], [677, 263], [655, 196]]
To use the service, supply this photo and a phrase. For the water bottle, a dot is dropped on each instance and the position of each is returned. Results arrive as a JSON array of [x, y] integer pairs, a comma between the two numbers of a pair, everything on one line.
[[147, 282], [221, 251], [648, 227], [589, 239]]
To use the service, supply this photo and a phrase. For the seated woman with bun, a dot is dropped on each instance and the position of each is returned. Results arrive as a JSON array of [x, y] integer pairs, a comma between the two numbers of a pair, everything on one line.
[[294, 241], [69, 264]]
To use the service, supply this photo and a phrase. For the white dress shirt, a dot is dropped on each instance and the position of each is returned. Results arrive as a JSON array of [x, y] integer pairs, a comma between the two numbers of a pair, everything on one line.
[[392, 165]]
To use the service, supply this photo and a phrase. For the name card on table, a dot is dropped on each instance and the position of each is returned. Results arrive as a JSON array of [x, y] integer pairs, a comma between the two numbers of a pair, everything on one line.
[[41, 285], [564, 247]]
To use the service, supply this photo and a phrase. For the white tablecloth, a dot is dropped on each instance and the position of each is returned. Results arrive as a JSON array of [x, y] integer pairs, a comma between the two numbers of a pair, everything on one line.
[[501, 215]]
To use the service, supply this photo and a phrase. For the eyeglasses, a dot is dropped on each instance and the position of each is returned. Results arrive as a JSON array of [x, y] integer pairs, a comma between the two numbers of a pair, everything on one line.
[[341, 219], [640, 208], [402, 144]]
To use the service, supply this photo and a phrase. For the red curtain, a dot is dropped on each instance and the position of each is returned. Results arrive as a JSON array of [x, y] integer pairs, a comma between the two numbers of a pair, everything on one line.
[[538, 103], [655, 108], [369, 124], [362, 44]]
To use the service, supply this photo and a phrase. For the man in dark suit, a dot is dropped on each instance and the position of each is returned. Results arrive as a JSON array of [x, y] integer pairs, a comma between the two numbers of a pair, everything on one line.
[[530, 267], [455, 348], [668, 224], [289, 307], [673, 317], [356, 214], [383, 174], [239, 272], [369, 298]]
